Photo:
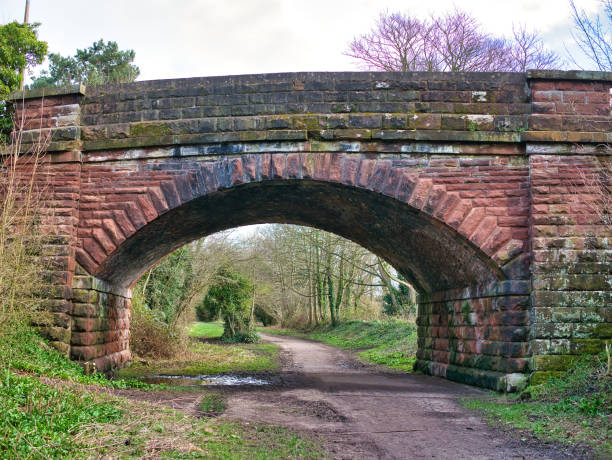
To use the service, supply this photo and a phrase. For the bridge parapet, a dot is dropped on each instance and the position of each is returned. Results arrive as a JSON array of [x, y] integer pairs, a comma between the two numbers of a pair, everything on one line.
[[558, 107]]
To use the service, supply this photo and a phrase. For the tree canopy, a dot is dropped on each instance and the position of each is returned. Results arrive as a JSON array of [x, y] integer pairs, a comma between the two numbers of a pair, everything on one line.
[[20, 49], [230, 296], [451, 42], [99, 64]]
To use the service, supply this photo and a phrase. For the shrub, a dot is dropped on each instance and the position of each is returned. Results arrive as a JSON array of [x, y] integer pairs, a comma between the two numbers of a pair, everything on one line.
[[242, 337], [150, 336], [230, 297]]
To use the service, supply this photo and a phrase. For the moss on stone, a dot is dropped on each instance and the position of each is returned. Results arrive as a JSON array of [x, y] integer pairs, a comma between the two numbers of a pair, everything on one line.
[[552, 362], [149, 129], [539, 377], [603, 330]]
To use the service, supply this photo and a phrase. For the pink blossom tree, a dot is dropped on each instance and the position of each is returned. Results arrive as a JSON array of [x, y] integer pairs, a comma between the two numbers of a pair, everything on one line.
[[453, 42]]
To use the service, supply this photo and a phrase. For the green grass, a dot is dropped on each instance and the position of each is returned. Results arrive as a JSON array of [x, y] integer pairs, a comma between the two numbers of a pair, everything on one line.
[[213, 403], [40, 421], [210, 358], [48, 413], [206, 330], [388, 343], [573, 409], [22, 349]]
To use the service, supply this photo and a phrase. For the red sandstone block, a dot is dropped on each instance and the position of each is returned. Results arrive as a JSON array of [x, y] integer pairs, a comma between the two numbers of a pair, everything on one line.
[[392, 182], [543, 86], [471, 221], [598, 98], [434, 199], [574, 97], [545, 122], [104, 240], [293, 166], [308, 166], [350, 167], [547, 96], [210, 181], [420, 193], [572, 85], [544, 107], [123, 221], [86, 353], [249, 166], [85, 260], [279, 166], [512, 221], [485, 228], [186, 187], [456, 216], [266, 166], [94, 250], [446, 206], [584, 109], [379, 175], [320, 170], [365, 171], [335, 167], [237, 171], [158, 199], [147, 207], [407, 184], [171, 196]]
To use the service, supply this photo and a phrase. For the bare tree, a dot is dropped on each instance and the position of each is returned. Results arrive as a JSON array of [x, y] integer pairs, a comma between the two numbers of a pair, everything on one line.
[[594, 36], [527, 51], [396, 43], [453, 42]]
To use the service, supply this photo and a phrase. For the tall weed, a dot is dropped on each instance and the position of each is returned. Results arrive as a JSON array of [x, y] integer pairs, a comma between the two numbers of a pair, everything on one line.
[[22, 238]]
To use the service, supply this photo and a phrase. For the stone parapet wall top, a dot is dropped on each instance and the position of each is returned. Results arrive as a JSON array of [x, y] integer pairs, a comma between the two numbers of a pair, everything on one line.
[[47, 92], [590, 75], [562, 107]]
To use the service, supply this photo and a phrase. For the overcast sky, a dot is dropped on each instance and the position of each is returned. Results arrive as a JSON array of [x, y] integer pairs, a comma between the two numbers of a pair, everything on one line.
[[191, 38]]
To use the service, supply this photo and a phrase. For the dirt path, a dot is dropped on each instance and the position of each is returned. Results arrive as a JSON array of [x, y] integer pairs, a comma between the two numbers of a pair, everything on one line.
[[363, 413]]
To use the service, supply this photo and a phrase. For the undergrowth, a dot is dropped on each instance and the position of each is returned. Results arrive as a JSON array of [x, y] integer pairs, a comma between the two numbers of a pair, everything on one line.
[[22, 349], [213, 355], [575, 408]]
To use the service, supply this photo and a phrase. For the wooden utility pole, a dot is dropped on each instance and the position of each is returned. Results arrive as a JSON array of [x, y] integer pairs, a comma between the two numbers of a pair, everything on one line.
[[26, 20]]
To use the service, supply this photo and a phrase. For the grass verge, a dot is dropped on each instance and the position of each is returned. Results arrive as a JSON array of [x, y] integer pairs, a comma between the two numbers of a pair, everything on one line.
[[43, 418], [388, 343], [203, 330], [209, 358], [574, 409]]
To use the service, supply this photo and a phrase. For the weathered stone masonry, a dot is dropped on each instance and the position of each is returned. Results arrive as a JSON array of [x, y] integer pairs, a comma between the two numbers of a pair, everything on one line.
[[470, 184]]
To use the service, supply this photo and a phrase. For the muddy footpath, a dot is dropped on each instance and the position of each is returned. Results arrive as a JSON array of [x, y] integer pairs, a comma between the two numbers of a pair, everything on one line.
[[362, 412]]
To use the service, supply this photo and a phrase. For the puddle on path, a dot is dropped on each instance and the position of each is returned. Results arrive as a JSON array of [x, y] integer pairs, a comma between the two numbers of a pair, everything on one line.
[[204, 380]]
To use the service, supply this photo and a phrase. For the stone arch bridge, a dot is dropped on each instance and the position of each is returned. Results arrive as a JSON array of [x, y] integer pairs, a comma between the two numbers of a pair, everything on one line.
[[468, 183]]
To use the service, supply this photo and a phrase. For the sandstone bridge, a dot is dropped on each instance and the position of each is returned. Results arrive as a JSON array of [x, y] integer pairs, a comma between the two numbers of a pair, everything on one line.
[[470, 184]]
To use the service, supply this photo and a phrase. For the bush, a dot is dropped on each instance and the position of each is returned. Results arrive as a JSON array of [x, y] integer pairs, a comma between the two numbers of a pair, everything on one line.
[[242, 337], [151, 336], [230, 297]]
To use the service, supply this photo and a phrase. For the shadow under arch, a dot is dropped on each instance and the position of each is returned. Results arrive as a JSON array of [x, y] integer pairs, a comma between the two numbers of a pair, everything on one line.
[[430, 254]]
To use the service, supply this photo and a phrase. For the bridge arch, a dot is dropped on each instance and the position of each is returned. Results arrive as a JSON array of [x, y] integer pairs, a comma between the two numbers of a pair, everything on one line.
[[467, 262], [431, 235]]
